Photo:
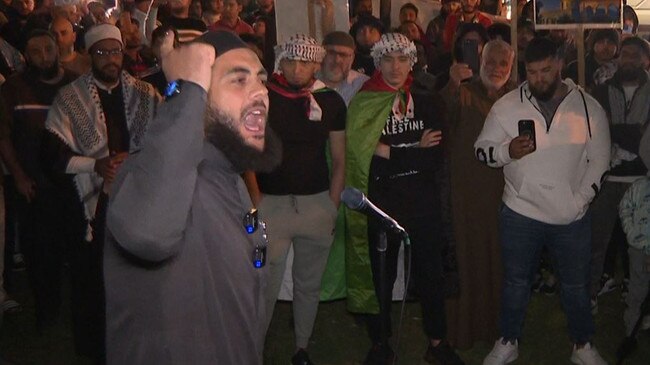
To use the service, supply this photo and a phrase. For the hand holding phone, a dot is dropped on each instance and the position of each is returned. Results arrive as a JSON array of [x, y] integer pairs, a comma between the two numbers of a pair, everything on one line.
[[525, 143], [527, 128], [470, 55], [458, 72]]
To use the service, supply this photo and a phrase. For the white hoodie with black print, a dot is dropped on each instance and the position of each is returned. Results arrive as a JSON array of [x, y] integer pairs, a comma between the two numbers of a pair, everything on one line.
[[555, 183]]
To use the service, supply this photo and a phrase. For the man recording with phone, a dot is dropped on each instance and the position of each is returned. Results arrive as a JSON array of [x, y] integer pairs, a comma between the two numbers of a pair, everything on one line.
[[552, 140], [466, 58]]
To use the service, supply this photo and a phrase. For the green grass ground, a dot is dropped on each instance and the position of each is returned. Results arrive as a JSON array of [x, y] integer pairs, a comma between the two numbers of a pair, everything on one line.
[[339, 340]]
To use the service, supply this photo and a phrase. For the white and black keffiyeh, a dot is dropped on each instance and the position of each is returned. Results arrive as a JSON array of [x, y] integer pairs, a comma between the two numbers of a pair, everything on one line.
[[394, 42], [77, 118], [299, 47]]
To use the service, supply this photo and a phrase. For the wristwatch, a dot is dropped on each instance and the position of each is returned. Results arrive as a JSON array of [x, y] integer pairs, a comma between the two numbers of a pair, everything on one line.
[[173, 88]]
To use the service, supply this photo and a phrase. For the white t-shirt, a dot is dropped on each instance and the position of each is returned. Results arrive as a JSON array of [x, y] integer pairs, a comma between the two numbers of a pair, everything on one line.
[[629, 93]]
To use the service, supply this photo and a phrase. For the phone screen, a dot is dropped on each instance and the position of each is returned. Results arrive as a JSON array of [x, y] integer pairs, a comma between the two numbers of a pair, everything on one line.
[[527, 128], [470, 55]]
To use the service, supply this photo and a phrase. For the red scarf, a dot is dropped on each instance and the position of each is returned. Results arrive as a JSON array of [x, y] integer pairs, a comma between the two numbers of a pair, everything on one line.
[[280, 85], [377, 83]]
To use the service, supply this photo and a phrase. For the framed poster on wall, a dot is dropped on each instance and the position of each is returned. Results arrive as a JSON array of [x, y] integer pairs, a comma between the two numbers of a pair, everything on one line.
[[568, 14]]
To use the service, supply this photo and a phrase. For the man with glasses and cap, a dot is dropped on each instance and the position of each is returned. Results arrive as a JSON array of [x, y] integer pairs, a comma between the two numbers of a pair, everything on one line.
[[336, 70], [94, 123]]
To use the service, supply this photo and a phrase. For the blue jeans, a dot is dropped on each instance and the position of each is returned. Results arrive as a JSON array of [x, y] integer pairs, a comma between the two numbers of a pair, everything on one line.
[[522, 240]]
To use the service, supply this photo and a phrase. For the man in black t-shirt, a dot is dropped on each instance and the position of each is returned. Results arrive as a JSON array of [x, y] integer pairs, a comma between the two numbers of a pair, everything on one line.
[[299, 199], [187, 28], [394, 154]]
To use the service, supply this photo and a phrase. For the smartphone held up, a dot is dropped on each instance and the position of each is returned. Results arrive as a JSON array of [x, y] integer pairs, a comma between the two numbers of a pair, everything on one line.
[[527, 128], [471, 56]]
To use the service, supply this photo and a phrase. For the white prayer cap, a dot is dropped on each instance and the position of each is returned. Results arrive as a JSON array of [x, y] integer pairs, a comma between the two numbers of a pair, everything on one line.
[[101, 32]]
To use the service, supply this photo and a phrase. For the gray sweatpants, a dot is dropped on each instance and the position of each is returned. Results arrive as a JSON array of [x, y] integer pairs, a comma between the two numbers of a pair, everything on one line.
[[307, 222], [638, 288]]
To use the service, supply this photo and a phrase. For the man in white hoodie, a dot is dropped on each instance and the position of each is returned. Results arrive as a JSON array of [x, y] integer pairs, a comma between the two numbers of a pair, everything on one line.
[[549, 181]]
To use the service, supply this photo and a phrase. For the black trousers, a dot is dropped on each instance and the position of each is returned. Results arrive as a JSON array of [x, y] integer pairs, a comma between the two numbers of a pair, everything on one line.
[[617, 247], [45, 229], [426, 274], [88, 295], [10, 198]]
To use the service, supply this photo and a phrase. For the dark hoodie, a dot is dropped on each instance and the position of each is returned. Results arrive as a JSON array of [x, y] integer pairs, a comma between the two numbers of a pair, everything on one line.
[[626, 133], [363, 62]]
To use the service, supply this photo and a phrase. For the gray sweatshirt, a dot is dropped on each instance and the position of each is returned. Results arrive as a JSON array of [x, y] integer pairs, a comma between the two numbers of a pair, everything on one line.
[[180, 283]]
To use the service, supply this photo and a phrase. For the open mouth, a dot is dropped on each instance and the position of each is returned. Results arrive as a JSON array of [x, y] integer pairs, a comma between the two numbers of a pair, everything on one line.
[[254, 121]]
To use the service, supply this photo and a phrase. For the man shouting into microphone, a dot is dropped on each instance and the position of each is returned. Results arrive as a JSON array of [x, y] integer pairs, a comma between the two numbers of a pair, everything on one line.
[[184, 262]]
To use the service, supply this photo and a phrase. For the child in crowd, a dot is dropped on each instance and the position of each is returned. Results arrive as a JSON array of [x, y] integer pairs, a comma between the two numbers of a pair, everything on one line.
[[634, 210]]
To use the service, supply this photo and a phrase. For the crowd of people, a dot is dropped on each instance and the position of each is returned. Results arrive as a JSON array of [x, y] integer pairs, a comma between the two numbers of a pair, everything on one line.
[[136, 139]]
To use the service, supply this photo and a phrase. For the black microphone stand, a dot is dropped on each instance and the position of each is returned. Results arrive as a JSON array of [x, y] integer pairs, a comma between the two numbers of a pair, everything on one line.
[[384, 306]]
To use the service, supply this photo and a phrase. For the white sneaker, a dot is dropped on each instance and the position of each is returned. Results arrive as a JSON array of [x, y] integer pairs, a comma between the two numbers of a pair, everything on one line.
[[502, 353], [587, 355], [607, 284]]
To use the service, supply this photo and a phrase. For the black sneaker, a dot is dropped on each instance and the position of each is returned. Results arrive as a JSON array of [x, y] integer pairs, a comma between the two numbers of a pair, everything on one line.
[[380, 355], [549, 286], [18, 263], [301, 358], [442, 354], [538, 282], [624, 289]]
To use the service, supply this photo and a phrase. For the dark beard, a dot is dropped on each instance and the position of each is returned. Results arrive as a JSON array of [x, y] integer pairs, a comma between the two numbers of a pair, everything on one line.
[[296, 87], [45, 74], [469, 9], [221, 133], [545, 95], [627, 74], [102, 76]]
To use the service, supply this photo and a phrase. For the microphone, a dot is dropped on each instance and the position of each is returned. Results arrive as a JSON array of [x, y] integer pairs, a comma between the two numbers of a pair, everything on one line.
[[356, 200]]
